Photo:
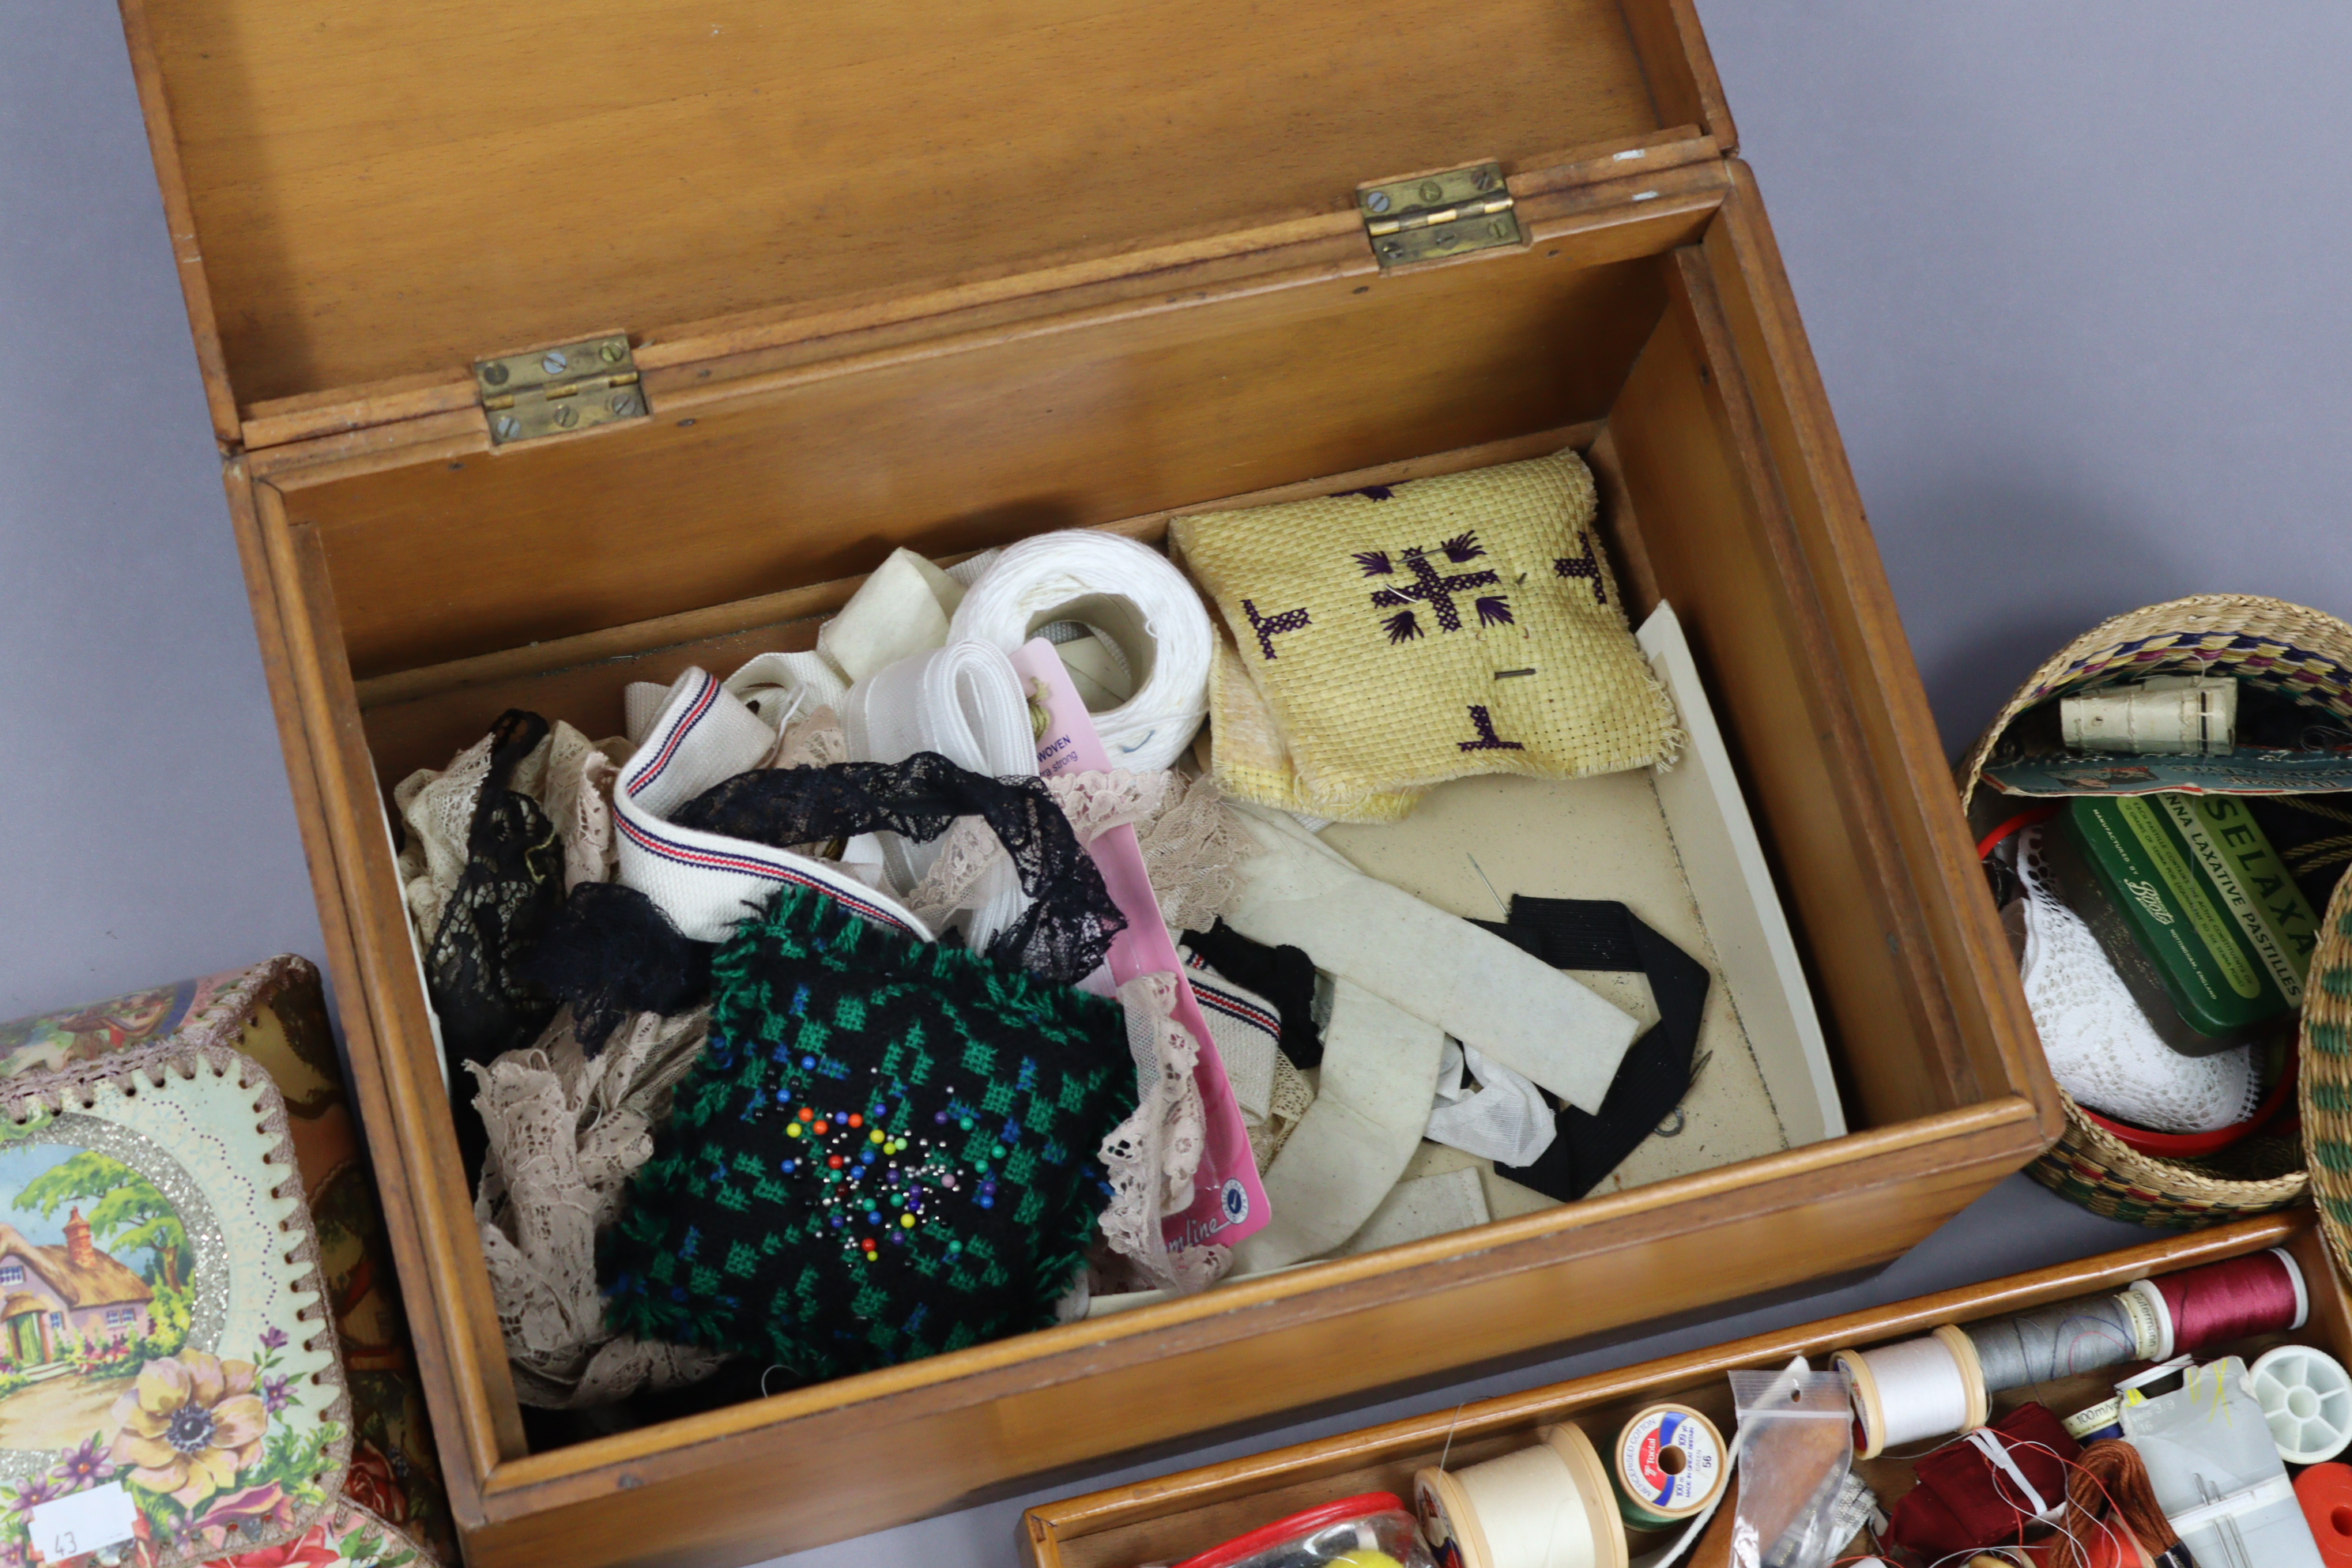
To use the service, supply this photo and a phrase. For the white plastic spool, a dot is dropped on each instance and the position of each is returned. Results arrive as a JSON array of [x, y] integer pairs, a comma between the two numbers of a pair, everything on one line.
[[2306, 1397]]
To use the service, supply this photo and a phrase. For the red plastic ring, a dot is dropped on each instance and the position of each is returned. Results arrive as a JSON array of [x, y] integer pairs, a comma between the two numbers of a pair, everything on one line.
[[1298, 1524], [2190, 1145]]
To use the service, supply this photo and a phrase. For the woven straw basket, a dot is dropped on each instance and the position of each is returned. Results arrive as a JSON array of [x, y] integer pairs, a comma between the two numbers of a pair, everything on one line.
[[2308, 654], [2327, 1086]]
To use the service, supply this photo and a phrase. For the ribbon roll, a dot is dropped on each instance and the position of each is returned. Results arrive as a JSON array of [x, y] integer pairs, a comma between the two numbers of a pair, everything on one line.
[[1136, 602], [965, 702]]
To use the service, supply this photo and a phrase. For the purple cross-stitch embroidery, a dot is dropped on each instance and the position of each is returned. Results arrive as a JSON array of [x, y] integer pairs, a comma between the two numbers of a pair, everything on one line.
[[1371, 492], [1428, 587], [1270, 626], [1402, 627], [1487, 740], [1585, 566], [1375, 562]]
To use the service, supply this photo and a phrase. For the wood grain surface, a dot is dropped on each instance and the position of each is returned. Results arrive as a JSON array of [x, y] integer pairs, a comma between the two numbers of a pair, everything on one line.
[[384, 187]]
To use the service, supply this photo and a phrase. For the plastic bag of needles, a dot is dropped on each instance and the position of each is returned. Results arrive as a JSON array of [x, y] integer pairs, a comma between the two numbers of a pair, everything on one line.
[[1796, 1445]]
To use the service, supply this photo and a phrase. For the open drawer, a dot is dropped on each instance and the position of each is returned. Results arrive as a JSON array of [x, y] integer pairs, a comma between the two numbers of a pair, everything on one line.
[[1171, 1518]]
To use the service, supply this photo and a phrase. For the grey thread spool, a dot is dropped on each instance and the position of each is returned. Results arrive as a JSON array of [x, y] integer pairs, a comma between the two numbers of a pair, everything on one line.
[[2058, 1341]]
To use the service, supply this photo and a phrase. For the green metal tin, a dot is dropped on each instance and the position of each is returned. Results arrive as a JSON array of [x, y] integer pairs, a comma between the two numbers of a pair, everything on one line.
[[2195, 893]]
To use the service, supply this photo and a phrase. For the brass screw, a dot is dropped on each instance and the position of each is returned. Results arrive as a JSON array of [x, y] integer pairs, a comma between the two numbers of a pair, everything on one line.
[[566, 417], [1447, 240], [612, 352], [555, 363], [1430, 190], [509, 426], [1377, 202], [622, 402], [1391, 248], [496, 375], [1483, 180]]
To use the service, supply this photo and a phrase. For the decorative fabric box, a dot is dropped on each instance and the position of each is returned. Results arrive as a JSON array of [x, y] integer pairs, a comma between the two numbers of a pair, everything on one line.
[[276, 1013], [549, 351]]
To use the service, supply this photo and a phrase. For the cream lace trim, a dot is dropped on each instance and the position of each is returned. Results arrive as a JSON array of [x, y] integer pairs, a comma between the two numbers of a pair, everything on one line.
[[566, 1134], [1291, 1098], [1152, 1156], [568, 773], [815, 742], [1192, 844]]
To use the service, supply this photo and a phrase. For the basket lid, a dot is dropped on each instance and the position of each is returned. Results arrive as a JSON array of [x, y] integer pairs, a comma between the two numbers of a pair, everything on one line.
[[379, 189]]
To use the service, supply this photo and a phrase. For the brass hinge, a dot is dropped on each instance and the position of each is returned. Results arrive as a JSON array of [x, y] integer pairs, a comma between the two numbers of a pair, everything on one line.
[[1428, 215], [552, 392]]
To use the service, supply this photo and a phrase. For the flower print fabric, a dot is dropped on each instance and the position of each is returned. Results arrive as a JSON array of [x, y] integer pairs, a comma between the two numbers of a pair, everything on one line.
[[189, 1423]]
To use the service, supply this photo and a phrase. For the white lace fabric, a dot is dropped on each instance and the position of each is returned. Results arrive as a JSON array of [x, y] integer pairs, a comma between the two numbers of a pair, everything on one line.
[[1153, 1155], [569, 774], [566, 1134], [2101, 1046]]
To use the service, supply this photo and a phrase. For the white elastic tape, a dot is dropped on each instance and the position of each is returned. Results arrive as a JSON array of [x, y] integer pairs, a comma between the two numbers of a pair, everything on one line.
[[964, 702], [1470, 984], [707, 883], [1380, 1067]]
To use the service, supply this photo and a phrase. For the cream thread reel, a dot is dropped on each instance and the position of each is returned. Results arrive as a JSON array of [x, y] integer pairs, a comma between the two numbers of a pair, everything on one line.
[[162, 1306], [1548, 1506], [1669, 1465], [1922, 1388], [2306, 1397]]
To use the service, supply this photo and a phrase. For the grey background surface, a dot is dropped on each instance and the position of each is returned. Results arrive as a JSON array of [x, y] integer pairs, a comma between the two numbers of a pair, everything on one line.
[[2074, 276]]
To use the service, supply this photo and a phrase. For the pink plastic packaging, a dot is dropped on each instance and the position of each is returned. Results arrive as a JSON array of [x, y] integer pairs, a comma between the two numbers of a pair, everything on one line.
[[1228, 1202]]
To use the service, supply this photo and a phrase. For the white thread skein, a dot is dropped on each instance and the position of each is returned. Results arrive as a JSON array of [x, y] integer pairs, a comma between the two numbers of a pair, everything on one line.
[[1132, 598]]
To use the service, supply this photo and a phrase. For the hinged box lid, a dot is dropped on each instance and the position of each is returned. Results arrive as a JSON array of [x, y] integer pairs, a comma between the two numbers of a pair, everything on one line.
[[392, 190]]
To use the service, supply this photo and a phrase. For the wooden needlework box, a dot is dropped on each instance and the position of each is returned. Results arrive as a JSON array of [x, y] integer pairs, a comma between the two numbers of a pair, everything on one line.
[[555, 346]]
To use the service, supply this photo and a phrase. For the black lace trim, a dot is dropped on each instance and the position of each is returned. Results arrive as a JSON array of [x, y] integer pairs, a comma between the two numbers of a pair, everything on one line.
[[615, 953], [509, 891]]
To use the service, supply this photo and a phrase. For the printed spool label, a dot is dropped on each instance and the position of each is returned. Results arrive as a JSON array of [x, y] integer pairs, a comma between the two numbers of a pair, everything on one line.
[[1669, 1485], [1437, 1529], [2097, 1418]]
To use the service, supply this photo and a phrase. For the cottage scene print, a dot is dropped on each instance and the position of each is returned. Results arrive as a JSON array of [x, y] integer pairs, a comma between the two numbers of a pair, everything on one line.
[[94, 1277], [100, 1382]]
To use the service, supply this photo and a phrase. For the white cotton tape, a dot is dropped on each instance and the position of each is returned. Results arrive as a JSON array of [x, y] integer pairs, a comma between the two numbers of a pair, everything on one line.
[[1132, 597], [964, 702]]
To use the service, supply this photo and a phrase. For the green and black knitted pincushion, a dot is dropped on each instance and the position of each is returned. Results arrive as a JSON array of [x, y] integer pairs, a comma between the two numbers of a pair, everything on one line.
[[887, 1150]]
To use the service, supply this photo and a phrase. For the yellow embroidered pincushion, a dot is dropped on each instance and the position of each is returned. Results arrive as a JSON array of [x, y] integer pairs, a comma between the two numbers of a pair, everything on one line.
[[1389, 640]]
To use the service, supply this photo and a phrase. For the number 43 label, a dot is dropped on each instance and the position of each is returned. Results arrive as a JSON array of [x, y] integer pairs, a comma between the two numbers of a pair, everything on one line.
[[83, 1523]]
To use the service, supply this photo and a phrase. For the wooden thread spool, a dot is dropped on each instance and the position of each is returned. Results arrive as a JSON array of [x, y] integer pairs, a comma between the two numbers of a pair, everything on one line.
[[1920, 1388], [1545, 1507], [1669, 1465]]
